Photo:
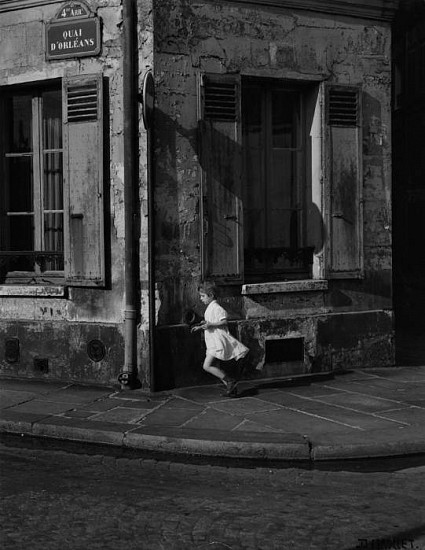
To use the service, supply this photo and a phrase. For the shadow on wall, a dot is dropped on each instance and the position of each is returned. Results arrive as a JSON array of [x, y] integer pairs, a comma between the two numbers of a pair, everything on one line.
[[174, 236], [218, 155], [213, 149]]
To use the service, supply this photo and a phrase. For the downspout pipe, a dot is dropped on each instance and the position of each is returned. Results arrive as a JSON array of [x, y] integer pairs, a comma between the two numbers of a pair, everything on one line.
[[147, 99], [149, 89], [128, 376]]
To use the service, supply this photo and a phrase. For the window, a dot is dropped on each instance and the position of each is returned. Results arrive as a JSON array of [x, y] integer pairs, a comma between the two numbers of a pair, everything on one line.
[[51, 183], [32, 205], [274, 182], [281, 180]]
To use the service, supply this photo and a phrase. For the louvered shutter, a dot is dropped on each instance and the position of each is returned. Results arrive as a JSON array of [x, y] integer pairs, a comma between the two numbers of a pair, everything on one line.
[[83, 179], [344, 176], [220, 157]]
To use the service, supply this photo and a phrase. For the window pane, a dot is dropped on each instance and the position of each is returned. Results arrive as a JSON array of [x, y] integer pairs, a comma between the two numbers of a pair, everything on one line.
[[32, 198], [52, 120], [285, 119], [21, 232], [254, 196], [273, 186], [19, 132], [53, 232], [53, 240], [53, 182], [19, 193], [254, 202], [252, 124], [282, 217]]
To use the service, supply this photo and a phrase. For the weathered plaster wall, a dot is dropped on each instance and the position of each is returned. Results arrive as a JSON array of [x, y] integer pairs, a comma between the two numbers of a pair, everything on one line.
[[22, 59], [60, 328], [179, 39], [64, 348], [191, 38]]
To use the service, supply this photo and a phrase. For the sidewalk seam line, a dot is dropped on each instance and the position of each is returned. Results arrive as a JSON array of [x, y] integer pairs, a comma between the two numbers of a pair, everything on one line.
[[325, 418], [372, 396]]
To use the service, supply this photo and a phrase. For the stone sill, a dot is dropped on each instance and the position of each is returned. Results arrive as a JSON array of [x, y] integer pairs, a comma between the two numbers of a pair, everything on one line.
[[286, 286], [33, 290]]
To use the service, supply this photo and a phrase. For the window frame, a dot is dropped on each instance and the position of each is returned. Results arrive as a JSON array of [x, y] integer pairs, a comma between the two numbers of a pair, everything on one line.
[[317, 177], [37, 155], [85, 122], [268, 86]]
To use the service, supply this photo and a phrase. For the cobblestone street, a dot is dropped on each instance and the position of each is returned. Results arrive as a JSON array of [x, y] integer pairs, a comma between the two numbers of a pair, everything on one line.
[[54, 500]]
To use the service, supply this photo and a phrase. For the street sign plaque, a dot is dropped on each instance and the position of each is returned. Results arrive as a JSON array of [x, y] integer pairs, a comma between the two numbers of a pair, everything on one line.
[[73, 9], [74, 32]]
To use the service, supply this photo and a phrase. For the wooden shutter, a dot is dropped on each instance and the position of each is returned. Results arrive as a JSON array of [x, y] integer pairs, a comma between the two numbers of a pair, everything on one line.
[[83, 180], [220, 157], [344, 178]]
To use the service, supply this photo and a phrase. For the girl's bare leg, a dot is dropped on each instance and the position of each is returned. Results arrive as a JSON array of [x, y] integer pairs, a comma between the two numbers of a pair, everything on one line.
[[211, 369]]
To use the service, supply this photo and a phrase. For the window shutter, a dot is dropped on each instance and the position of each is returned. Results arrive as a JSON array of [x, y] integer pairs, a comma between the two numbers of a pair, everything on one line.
[[83, 179], [220, 156], [344, 177]]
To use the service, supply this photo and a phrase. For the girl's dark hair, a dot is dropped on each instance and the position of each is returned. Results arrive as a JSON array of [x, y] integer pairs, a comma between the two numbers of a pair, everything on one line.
[[209, 289]]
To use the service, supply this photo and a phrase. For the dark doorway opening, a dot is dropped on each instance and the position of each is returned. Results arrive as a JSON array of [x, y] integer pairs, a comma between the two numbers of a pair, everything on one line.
[[409, 182]]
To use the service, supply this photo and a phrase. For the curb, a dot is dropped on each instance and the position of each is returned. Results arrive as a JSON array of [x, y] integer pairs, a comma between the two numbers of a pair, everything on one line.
[[296, 448], [403, 442], [365, 451], [219, 449], [163, 443]]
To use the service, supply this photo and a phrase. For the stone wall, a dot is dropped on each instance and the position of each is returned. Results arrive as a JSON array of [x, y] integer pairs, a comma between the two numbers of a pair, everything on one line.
[[268, 41], [347, 323], [60, 328]]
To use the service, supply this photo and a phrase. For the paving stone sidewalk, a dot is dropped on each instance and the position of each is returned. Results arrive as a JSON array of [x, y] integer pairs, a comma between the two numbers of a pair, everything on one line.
[[357, 414]]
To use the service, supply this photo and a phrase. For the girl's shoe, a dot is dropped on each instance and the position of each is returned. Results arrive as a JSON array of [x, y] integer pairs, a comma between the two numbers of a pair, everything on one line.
[[230, 384]]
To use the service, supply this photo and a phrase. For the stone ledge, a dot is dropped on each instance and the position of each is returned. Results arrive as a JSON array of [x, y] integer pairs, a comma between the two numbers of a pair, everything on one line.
[[32, 290], [285, 286]]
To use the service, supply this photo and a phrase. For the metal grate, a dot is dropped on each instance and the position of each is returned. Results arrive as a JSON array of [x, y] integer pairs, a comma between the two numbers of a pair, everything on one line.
[[220, 100], [343, 107], [82, 102], [96, 350]]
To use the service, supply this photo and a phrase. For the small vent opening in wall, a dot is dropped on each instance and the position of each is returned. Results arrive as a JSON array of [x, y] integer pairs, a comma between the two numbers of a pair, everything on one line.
[[82, 102], [343, 107], [220, 100], [284, 350], [11, 350], [41, 364]]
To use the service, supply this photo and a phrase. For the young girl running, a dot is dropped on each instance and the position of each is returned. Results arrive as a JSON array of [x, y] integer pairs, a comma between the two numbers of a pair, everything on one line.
[[220, 344]]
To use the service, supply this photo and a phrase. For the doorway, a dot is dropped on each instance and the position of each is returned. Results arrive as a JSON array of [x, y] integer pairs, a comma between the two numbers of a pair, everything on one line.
[[409, 182]]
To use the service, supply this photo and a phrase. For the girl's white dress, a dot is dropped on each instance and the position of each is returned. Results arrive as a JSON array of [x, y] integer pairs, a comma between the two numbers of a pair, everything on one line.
[[220, 343]]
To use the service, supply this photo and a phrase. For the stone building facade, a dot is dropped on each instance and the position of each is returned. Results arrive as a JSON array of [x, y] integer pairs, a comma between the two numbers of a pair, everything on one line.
[[264, 165], [62, 196]]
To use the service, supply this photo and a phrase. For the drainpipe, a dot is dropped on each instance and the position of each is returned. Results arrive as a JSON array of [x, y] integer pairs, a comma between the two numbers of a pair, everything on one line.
[[128, 376], [148, 112]]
